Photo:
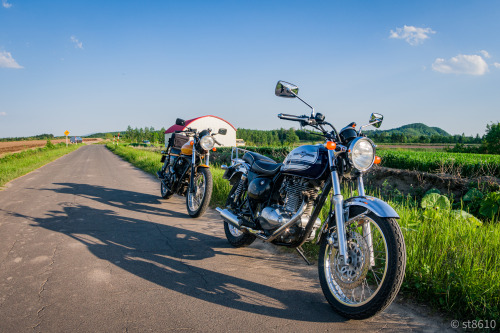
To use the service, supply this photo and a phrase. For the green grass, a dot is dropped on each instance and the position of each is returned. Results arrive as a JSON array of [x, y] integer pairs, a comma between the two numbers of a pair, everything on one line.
[[452, 265], [18, 164], [462, 164], [143, 159]]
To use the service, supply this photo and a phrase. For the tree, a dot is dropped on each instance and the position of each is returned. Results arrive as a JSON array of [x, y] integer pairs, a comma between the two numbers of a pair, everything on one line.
[[491, 142], [291, 137]]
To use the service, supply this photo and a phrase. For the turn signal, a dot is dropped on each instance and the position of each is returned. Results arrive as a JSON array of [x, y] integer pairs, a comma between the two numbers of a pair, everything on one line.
[[191, 143], [330, 145], [214, 149], [377, 160]]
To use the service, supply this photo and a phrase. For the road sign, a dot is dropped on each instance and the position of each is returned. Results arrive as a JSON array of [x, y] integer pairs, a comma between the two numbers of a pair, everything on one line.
[[66, 133]]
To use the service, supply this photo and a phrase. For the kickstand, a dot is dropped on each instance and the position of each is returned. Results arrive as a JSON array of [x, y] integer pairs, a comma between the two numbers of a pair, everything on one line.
[[301, 252]]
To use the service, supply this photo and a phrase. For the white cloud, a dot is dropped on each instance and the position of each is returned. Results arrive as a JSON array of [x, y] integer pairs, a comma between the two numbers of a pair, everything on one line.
[[6, 60], [5, 4], [461, 64], [485, 54], [496, 64], [3, 113], [78, 44], [411, 34]]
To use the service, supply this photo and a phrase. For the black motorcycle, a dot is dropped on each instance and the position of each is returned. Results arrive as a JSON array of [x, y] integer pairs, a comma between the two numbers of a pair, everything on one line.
[[362, 255], [185, 168]]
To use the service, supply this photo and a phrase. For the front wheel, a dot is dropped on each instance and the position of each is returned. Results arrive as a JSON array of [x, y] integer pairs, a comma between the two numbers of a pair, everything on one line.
[[197, 200], [373, 275]]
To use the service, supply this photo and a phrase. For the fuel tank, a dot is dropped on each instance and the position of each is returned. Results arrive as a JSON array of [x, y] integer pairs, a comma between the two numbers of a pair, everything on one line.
[[187, 149], [309, 161]]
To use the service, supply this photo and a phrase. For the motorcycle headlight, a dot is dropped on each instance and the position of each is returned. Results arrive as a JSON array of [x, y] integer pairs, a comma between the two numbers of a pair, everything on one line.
[[361, 153], [207, 142]]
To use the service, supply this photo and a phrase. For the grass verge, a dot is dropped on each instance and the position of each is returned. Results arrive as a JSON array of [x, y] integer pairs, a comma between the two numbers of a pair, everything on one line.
[[15, 165], [452, 265]]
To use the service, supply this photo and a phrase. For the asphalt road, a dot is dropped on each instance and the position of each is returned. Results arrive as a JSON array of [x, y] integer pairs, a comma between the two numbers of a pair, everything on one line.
[[87, 245]]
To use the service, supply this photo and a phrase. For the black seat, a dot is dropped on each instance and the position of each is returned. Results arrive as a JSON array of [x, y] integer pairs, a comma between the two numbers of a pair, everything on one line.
[[261, 164]]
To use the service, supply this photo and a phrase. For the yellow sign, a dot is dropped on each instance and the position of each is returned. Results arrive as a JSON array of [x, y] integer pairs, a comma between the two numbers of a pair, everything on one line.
[[66, 133]]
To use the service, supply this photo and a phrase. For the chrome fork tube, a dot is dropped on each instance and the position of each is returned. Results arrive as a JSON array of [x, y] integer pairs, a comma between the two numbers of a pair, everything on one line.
[[193, 161], [338, 204], [361, 186], [367, 232]]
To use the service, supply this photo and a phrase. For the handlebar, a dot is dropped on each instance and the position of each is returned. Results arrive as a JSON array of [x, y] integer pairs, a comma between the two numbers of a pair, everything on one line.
[[304, 120], [292, 117]]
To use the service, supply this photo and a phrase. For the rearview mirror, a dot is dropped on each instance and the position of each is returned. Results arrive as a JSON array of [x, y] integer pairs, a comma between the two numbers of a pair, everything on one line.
[[180, 122], [222, 131], [376, 120], [286, 89]]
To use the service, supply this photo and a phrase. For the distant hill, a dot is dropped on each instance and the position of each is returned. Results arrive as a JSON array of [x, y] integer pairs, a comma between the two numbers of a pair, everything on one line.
[[412, 130]]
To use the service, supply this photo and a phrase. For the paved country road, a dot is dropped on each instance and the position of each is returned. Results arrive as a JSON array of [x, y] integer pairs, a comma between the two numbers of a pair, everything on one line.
[[86, 245]]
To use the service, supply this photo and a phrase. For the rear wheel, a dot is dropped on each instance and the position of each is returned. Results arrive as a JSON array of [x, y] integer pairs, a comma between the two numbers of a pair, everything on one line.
[[371, 279], [165, 192], [236, 237], [197, 201]]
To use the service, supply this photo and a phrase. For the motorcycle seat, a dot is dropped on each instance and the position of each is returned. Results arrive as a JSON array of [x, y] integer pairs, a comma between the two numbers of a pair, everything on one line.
[[261, 164]]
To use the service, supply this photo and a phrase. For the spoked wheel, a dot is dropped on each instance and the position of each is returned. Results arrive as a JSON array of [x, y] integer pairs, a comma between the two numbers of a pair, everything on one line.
[[236, 237], [373, 275], [197, 201]]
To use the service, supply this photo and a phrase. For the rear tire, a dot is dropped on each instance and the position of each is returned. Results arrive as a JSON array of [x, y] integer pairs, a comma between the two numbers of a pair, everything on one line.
[[236, 237], [164, 192]]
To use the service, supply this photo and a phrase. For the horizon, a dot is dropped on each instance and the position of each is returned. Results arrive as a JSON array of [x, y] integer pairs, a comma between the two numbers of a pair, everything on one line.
[[89, 66], [367, 129]]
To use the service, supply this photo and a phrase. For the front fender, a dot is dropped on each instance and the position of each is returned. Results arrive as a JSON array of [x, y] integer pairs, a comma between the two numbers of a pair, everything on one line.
[[202, 166], [377, 206]]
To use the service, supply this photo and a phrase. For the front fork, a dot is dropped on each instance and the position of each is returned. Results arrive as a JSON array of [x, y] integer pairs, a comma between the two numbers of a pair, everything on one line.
[[338, 205], [193, 168]]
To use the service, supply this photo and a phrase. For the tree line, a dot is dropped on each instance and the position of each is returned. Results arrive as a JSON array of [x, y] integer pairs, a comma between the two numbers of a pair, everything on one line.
[[146, 133], [26, 138], [279, 137]]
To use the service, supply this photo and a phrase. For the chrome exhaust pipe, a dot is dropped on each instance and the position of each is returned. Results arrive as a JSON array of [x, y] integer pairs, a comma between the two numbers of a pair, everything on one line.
[[229, 217]]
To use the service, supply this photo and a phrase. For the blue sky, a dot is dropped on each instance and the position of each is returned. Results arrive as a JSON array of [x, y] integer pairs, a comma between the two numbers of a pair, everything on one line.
[[93, 66]]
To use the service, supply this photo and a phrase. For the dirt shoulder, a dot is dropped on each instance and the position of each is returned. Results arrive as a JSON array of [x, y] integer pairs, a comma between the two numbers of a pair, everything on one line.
[[17, 146]]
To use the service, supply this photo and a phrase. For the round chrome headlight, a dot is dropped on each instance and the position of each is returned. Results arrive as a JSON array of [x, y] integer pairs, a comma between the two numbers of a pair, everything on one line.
[[361, 153], [207, 142]]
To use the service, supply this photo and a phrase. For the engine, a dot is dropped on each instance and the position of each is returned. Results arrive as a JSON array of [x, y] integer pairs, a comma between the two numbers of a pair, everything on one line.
[[294, 190]]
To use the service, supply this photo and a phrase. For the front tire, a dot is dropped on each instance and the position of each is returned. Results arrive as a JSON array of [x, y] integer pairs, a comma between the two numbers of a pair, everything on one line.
[[367, 285], [197, 201]]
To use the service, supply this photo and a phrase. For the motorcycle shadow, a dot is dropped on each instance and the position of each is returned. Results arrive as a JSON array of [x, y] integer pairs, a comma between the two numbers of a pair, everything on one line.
[[138, 238]]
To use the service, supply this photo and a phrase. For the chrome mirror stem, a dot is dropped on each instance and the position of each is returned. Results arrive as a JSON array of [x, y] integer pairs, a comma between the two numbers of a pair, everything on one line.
[[300, 99]]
